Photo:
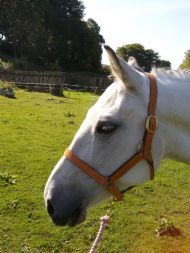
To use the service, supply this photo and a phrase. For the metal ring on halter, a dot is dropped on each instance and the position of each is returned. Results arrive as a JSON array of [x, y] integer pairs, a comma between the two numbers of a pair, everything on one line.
[[148, 124]]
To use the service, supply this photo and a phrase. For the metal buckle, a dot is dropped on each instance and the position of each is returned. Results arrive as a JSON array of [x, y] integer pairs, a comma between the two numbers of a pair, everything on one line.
[[149, 118]]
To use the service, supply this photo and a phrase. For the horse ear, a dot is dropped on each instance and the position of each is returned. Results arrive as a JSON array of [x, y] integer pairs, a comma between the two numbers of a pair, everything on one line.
[[130, 77]]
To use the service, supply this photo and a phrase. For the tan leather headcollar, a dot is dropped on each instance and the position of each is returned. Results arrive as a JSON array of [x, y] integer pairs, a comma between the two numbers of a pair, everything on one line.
[[144, 150]]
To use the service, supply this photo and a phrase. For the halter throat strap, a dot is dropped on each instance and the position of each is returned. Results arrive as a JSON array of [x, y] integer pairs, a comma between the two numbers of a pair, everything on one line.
[[144, 150]]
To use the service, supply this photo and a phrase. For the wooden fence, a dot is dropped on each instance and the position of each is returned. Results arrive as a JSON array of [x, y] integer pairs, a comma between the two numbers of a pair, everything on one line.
[[49, 81]]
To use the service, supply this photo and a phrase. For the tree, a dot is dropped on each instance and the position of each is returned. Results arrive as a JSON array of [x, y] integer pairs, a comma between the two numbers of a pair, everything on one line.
[[96, 41], [163, 64], [20, 26], [146, 58], [50, 34], [186, 62]]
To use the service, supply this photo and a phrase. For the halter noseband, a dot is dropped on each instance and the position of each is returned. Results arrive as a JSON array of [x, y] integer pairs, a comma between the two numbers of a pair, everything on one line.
[[144, 151]]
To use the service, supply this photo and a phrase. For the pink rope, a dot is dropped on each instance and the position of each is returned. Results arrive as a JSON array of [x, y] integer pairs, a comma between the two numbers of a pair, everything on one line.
[[104, 221]]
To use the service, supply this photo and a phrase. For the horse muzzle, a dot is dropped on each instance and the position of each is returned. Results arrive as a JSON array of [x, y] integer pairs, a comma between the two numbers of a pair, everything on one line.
[[65, 206], [72, 218]]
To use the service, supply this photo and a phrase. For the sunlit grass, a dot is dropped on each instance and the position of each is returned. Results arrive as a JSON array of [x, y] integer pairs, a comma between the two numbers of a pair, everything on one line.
[[35, 129]]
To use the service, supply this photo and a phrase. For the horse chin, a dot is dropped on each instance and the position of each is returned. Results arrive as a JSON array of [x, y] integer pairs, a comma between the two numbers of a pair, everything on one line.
[[74, 219]]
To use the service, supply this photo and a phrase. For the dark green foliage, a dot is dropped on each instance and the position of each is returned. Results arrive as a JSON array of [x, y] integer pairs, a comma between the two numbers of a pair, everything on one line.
[[49, 34], [163, 64], [147, 58]]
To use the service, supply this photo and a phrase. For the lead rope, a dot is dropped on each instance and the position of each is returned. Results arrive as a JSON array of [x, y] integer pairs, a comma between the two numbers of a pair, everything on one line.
[[104, 221]]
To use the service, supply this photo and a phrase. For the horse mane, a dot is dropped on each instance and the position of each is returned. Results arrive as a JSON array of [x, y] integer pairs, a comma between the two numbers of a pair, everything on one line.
[[162, 72], [172, 74]]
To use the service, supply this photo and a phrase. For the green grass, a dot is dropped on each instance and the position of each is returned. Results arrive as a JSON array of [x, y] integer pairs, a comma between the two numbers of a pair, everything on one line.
[[35, 129]]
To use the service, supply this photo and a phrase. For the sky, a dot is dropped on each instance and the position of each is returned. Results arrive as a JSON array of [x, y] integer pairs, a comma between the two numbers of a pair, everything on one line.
[[162, 25]]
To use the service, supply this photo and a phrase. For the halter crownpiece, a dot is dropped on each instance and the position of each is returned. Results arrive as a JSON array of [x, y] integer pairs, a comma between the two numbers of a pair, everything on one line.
[[144, 150]]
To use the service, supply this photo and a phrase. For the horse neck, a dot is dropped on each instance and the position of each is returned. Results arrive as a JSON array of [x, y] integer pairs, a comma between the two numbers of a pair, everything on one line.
[[174, 118]]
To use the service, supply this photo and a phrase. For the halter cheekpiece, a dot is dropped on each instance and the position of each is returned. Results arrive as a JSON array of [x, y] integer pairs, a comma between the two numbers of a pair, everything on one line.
[[144, 150]]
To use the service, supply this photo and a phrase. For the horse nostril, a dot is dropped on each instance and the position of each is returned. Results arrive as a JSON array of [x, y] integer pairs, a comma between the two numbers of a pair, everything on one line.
[[50, 208]]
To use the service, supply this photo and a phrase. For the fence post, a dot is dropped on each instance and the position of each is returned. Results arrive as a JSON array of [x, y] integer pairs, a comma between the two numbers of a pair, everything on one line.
[[56, 90]]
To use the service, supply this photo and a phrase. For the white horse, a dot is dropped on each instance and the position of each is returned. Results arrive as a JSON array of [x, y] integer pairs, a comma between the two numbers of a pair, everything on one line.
[[110, 134]]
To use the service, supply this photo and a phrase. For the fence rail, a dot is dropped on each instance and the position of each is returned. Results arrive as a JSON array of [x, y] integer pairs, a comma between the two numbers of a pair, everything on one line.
[[54, 82]]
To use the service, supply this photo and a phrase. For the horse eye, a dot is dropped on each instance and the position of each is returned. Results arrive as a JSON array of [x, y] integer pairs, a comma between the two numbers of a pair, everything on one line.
[[106, 128]]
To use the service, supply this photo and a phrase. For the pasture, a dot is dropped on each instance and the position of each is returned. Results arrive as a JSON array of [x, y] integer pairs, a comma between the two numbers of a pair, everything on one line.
[[35, 129]]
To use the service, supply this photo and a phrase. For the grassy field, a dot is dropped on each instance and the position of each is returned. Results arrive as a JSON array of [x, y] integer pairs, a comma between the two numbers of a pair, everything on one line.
[[34, 131]]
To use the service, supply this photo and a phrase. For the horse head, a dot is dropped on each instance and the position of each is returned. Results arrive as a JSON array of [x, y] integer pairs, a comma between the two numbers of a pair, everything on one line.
[[109, 135]]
